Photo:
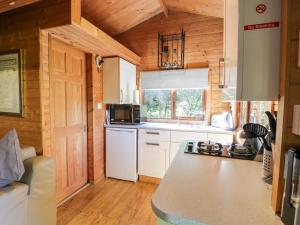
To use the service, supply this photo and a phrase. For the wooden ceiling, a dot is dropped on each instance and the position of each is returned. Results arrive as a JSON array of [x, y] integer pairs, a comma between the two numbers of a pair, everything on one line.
[[6, 5], [213, 8], [117, 16]]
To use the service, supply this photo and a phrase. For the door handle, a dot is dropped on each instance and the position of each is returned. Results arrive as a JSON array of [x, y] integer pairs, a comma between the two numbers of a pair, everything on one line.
[[153, 144], [153, 133], [122, 96], [126, 131], [221, 78]]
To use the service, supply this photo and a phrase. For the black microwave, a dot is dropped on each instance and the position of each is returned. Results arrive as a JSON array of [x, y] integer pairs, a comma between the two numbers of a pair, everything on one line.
[[124, 114]]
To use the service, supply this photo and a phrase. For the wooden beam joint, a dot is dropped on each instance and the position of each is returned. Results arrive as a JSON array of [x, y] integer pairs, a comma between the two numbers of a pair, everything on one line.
[[163, 7]]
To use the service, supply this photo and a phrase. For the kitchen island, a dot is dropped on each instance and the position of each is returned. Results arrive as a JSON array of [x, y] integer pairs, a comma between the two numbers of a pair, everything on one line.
[[205, 190]]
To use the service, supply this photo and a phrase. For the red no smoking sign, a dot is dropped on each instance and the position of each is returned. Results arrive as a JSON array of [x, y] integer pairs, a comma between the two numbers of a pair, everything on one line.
[[261, 8]]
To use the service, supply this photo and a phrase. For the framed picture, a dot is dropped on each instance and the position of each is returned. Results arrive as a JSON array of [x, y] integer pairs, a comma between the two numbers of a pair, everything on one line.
[[11, 83], [299, 51]]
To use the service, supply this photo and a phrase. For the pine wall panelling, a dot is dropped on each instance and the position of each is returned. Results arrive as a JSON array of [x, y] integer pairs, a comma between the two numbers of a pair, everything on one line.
[[19, 29], [204, 46], [289, 94], [96, 119], [25, 28]]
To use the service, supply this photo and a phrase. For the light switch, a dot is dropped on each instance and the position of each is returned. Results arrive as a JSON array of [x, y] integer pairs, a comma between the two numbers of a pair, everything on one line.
[[296, 120], [98, 106]]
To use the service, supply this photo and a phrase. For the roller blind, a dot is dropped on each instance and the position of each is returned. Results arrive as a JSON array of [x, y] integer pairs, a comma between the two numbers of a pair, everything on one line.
[[167, 79]]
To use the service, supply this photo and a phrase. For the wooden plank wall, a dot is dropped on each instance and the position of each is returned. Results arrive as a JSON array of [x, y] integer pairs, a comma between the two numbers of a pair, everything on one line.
[[289, 94], [204, 45], [96, 119], [19, 29]]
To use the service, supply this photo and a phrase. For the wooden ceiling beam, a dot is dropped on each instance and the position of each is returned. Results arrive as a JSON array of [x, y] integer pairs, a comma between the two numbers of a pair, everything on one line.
[[76, 11], [163, 7], [6, 5], [91, 39]]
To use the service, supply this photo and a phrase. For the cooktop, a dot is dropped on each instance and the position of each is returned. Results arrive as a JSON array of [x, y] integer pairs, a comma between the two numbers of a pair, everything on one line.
[[216, 149]]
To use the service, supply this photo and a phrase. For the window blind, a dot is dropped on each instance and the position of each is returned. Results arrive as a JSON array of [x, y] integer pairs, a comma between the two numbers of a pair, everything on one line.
[[167, 79]]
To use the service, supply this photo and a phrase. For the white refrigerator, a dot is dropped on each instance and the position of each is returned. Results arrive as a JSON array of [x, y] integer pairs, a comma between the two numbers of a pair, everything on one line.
[[121, 153]]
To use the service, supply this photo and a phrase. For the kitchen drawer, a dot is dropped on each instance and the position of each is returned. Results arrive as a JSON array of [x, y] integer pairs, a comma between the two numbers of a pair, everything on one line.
[[153, 158], [181, 136], [154, 135], [220, 138]]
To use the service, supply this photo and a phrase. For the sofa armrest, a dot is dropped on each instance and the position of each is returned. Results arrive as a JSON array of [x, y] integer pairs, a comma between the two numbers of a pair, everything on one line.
[[40, 175]]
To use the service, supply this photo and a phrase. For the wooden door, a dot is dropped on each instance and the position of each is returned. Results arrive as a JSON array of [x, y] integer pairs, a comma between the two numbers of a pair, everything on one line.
[[68, 117]]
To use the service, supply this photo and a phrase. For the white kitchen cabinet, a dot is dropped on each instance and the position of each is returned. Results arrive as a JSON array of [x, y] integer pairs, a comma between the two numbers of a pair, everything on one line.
[[249, 70], [153, 149], [154, 135], [153, 158], [158, 148], [119, 81], [179, 137]]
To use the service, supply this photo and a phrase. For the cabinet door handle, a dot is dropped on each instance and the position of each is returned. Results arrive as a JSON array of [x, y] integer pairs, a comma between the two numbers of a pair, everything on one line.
[[153, 133], [122, 96], [125, 131], [153, 144], [221, 80]]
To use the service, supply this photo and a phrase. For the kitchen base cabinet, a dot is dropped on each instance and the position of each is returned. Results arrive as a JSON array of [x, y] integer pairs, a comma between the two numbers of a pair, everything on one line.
[[178, 137], [154, 148], [153, 158], [158, 148]]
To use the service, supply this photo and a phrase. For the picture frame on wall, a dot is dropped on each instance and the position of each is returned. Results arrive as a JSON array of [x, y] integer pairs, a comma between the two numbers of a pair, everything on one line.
[[299, 51], [11, 97]]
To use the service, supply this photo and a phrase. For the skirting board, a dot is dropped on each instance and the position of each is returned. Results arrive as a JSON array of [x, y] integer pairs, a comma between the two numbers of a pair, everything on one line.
[[151, 180]]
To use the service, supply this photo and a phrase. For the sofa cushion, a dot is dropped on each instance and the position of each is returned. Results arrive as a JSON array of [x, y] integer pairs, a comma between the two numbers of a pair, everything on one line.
[[11, 196], [27, 152], [11, 163]]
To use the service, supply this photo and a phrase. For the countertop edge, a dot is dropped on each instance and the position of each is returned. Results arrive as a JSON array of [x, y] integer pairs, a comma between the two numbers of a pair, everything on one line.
[[145, 127], [173, 218]]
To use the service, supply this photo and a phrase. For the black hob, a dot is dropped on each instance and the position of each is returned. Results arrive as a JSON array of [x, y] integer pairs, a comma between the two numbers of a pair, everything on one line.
[[216, 149]]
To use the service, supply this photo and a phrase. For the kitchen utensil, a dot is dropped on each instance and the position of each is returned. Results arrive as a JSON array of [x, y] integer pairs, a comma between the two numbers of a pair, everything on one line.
[[272, 124]]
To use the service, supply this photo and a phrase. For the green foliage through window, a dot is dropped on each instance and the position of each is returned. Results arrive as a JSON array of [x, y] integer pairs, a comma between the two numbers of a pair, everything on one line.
[[188, 103], [157, 103]]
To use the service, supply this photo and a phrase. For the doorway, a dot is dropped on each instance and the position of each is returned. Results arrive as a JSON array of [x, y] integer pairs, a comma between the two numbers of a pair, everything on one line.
[[68, 112]]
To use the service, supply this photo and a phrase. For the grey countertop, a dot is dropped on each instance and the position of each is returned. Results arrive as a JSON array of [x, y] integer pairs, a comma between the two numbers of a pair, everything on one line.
[[205, 190], [173, 127]]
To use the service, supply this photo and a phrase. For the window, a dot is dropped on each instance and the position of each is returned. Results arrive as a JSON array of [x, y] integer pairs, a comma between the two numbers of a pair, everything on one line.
[[257, 112], [254, 112], [189, 103], [157, 103], [174, 104], [244, 113]]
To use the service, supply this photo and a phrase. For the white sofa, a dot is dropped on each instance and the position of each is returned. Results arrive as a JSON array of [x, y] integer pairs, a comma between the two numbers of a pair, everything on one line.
[[32, 201]]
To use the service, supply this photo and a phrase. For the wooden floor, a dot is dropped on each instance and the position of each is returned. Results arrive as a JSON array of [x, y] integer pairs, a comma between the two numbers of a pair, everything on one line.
[[110, 202]]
